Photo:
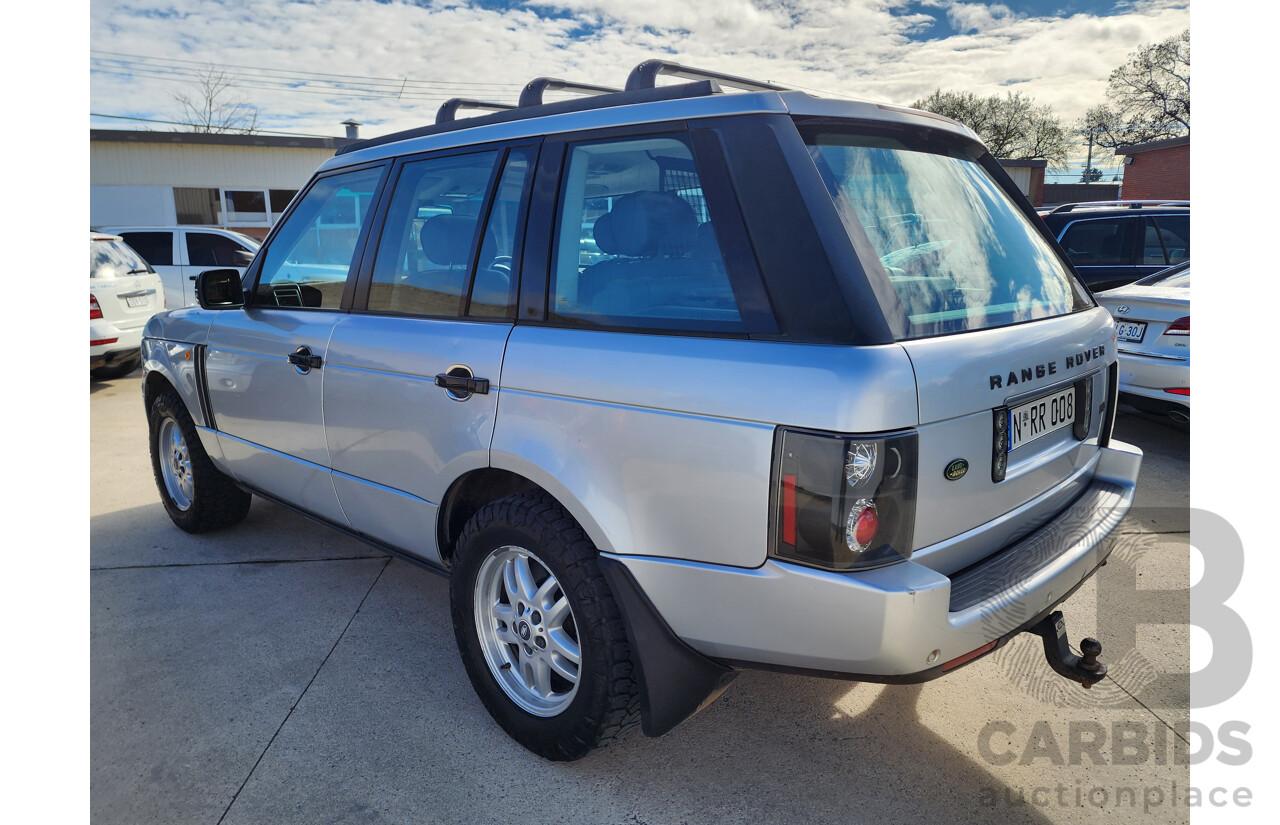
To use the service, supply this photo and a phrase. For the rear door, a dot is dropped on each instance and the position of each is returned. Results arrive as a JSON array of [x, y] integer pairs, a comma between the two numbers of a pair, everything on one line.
[[436, 298], [266, 363], [157, 247]]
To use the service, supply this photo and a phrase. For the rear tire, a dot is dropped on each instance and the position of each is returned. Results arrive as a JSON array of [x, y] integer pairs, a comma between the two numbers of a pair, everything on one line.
[[527, 597], [197, 495]]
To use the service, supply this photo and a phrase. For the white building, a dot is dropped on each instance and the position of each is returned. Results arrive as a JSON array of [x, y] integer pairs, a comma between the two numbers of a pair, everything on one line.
[[242, 182]]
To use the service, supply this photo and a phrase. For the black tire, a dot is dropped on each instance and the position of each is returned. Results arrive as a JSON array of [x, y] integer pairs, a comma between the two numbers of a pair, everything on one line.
[[117, 370], [216, 501], [607, 702]]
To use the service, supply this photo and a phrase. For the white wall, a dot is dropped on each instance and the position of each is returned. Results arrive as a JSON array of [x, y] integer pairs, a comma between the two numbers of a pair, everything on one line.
[[121, 163], [1022, 176], [131, 206]]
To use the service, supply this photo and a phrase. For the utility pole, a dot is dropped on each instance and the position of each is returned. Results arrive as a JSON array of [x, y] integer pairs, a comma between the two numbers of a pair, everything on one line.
[[1088, 164]]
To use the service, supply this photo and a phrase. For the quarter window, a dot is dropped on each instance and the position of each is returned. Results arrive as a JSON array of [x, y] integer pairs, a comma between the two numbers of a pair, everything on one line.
[[635, 245], [307, 263], [424, 256]]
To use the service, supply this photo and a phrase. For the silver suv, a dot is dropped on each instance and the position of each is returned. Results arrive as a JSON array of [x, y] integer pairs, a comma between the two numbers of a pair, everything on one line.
[[669, 382]]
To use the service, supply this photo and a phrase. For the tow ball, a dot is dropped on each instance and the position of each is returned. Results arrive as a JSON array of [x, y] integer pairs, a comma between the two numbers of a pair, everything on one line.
[[1085, 669]]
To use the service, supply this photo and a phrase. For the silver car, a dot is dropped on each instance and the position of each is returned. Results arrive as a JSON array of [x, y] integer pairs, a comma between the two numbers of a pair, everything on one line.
[[1153, 333], [822, 395]]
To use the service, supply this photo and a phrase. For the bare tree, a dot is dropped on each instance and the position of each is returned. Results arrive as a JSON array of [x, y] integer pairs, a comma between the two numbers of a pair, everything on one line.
[[1012, 126], [211, 109], [1148, 98]]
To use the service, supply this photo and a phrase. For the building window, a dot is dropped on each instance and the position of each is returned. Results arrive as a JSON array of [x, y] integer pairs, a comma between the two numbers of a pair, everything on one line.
[[280, 201], [201, 207], [246, 206]]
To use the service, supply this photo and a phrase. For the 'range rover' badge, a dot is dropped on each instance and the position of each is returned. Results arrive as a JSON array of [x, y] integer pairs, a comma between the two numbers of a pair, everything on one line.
[[956, 469]]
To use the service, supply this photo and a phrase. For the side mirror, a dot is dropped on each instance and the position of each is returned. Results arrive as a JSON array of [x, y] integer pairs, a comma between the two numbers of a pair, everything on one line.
[[241, 257], [219, 289]]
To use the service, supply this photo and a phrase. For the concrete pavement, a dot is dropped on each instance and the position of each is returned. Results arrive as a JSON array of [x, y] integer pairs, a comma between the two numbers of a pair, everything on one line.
[[280, 672]]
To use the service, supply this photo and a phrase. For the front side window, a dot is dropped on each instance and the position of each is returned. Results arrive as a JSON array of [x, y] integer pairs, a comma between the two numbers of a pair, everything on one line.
[[307, 263], [208, 249], [1099, 242], [956, 249], [635, 244], [424, 256]]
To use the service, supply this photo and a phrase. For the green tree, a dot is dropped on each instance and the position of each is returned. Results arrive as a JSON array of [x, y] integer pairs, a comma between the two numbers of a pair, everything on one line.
[[1013, 126]]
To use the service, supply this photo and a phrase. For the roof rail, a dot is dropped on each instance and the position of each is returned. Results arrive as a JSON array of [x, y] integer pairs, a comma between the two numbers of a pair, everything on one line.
[[1070, 207], [645, 76], [449, 109], [534, 89]]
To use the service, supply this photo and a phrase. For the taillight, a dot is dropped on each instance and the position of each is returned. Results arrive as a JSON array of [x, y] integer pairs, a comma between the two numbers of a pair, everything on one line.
[[95, 311], [1180, 391], [1182, 326], [843, 503]]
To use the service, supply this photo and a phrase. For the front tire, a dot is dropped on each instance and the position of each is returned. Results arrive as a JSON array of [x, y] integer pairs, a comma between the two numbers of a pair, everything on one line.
[[197, 495], [539, 632]]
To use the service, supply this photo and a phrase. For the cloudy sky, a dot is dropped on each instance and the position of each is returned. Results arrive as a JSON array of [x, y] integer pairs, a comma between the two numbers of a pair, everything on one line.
[[307, 65]]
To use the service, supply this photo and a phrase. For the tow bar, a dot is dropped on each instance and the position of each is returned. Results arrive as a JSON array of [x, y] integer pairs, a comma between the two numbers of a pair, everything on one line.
[[1085, 669]]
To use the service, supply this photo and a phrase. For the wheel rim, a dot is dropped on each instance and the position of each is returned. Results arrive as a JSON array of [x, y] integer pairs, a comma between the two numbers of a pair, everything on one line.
[[175, 464], [527, 631]]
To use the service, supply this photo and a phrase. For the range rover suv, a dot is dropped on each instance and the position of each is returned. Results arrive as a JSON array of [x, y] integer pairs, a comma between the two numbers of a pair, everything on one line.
[[670, 382]]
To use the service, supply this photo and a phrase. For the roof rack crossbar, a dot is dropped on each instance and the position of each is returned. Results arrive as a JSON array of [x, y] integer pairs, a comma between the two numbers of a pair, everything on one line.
[[645, 76], [449, 109], [532, 93], [1070, 207]]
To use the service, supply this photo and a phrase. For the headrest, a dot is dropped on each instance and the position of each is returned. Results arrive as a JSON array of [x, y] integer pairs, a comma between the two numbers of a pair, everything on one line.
[[446, 239], [647, 224]]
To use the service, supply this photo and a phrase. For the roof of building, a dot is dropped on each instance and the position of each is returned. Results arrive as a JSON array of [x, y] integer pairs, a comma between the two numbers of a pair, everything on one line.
[[204, 138], [1151, 146]]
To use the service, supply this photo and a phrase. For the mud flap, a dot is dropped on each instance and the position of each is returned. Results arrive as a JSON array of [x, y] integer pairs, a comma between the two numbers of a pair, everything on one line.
[[675, 680]]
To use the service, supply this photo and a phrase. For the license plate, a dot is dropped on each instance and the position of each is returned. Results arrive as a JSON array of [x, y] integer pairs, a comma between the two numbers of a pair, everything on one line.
[[137, 300], [1038, 418], [1131, 330]]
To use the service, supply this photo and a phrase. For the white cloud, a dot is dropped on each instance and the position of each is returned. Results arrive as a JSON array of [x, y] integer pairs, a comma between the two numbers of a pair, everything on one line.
[[853, 47]]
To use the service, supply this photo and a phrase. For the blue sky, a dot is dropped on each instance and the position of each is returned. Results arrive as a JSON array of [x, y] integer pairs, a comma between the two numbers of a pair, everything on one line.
[[401, 59]]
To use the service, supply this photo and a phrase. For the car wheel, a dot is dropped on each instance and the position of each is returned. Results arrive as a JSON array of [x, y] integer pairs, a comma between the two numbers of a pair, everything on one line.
[[539, 632], [196, 494], [117, 370]]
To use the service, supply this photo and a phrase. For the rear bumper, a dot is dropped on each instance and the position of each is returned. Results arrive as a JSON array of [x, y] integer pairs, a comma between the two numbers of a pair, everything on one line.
[[895, 623], [127, 343], [1148, 376]]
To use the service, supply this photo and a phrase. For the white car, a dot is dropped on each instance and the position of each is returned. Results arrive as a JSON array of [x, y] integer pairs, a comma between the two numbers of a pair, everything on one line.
[[124, 292], [180, 253], [1153, 338]]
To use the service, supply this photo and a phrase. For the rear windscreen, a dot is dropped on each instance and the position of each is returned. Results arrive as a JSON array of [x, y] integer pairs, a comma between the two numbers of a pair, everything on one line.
[[958, 252], [115, 258]]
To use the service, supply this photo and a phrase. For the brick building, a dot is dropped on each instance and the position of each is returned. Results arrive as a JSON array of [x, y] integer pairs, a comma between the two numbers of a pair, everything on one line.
[[1159, 170]]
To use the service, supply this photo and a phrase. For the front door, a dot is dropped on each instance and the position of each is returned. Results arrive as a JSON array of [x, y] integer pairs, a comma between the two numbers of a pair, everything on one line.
[[266, 362], [438, 306]]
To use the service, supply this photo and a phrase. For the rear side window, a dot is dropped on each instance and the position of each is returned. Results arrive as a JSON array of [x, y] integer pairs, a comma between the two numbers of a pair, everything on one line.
[[156, 247], [113, 259], [1175, 233], [208, 249], [307, 263], [424, 256], [635, 244], [1100, 242], [956, 249]]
